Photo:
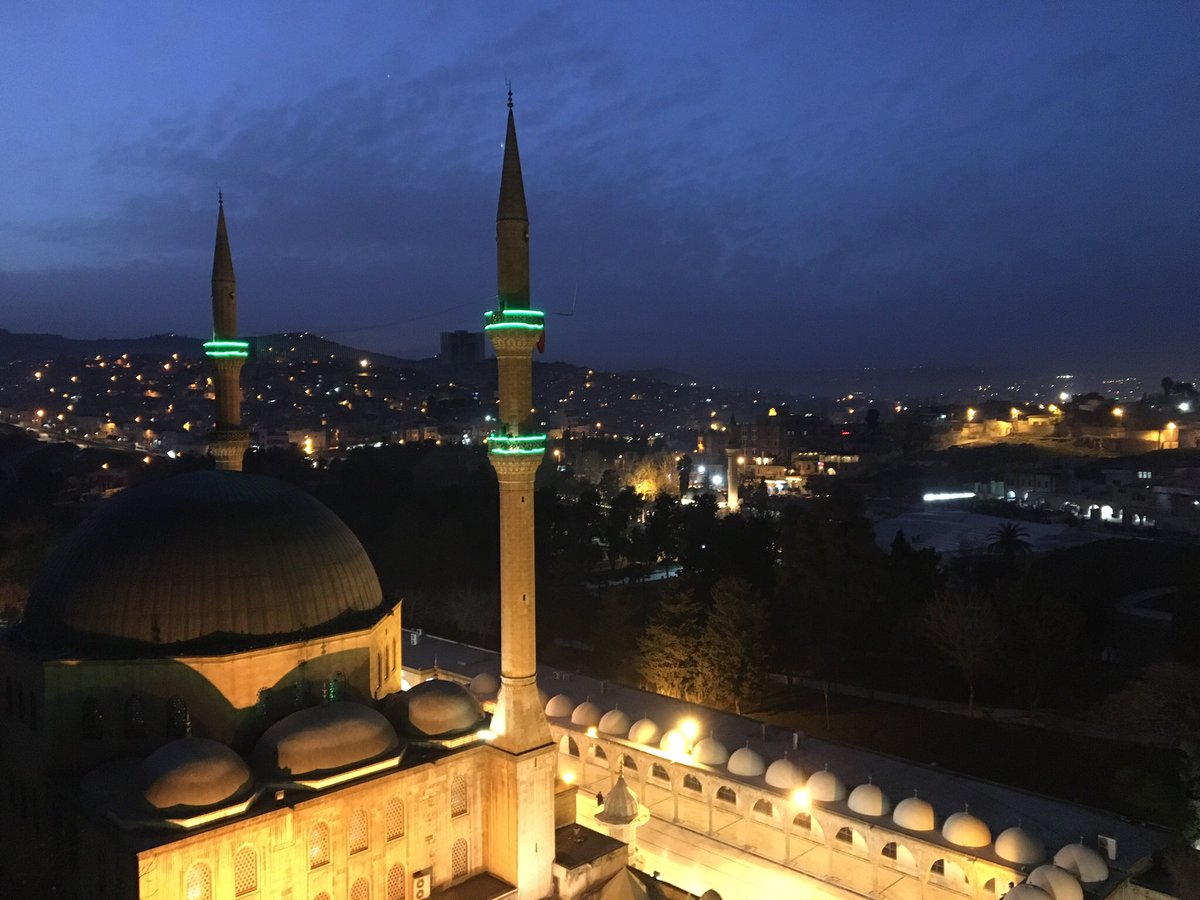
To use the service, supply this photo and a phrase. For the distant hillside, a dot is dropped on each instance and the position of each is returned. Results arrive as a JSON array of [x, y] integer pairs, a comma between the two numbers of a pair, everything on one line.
[[51, 346]]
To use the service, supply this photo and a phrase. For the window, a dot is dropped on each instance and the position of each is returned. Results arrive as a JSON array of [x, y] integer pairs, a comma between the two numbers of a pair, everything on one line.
[[764, 808], [572, 747], [889, 850], [263, 705], [692, 783], [938, 867], [598, 752], [359, 831], [199, 882], [335, 686], [726, 794], [135, 718], [179, 721], [395, 882], [458, 859], [458, 796], [657, 771], [393, 818], [628, 763], [91, 725], [318, 846], [802, 820], [361, 890], [245, 871], [845, 835]]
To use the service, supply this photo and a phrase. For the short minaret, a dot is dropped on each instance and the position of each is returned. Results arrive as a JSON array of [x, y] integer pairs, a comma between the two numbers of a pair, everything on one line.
[[521, 839], [226, 354], [733, 468]]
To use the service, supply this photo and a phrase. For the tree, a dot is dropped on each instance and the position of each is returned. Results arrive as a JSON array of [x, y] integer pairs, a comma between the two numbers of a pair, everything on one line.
[[669, 649], [1010, 542], [734, 653], [685, 473], [963, 626]]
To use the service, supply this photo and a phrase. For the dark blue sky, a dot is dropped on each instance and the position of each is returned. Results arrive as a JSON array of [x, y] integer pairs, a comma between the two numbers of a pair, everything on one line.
[[720, 186]]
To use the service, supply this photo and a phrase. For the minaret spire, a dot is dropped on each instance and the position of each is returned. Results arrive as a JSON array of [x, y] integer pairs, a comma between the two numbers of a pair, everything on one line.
[[228, 440], [523, 819]]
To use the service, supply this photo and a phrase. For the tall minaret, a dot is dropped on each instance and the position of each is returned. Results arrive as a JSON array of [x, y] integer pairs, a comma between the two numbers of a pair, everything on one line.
[[521, 834], [228, 440]]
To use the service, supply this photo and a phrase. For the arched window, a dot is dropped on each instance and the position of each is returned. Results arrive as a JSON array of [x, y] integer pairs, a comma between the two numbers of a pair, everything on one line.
[[889, 850], [179, 721], [318, 846], [459, 863], [845, 835], [91, 725], [802, 820], [657, 771], [764, 808], [245, 871], [135, 718], [569, 746], [394, 818], [359, 831], [361, 890], [628, 763], [598, 752], [199, 882], [692, 783], [336, 686], [395, 882], [726, 794], [938, 867], [458, 796]]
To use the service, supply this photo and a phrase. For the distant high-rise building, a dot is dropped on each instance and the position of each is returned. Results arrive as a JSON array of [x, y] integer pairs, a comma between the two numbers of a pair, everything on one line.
[[461, 348]]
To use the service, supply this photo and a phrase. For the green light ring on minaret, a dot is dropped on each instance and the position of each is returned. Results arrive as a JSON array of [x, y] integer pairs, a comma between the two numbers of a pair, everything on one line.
[[515, 319], [517, 445], [222, 349]]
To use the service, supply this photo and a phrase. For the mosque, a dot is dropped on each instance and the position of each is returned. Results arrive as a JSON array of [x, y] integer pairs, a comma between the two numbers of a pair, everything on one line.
[[209, 697]]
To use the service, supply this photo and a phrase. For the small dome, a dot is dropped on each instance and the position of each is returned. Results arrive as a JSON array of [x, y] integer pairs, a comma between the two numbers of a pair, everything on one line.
[[1058, 883], [1016, 845], [783, 774], [966, 830], [436, 709], [614, 722], [645, 731], [673, 742], [746, 763], [620, 804], [914, 814], [1027, 891], [560, 707], [710, 894], [869, 800], [586, 714], [323, 739], [826, 787], [484, 684], [1083, 862], [192, 773], [710, 752]]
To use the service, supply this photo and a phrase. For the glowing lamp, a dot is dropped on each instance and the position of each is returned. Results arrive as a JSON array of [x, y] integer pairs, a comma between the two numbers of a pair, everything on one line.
[[1118, 412], [801, 799], [592, 732], [1171, 426], [689, 728], [568, 777]]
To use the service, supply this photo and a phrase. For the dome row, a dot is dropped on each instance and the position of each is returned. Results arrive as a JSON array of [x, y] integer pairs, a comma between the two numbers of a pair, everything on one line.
[[1015, 844], [195, 773]]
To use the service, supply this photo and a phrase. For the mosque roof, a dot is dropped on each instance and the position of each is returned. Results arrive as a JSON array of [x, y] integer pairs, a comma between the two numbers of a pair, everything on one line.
[[324, 739], [435, 709], [192, 773], [213, 560]]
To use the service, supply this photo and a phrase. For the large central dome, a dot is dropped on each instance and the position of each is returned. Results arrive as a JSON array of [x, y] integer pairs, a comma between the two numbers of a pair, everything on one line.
[[209, 558]]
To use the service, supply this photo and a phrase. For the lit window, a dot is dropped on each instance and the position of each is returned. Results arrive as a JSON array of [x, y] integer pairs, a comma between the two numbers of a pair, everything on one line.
[[359, 831], [245, 871], [458, 796], [361, 890], [458, 859], [394, 818], [318, 845], [395, 882], [199, 883]]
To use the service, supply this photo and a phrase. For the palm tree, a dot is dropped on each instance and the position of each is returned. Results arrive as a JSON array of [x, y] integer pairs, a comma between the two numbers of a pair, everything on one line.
[[1010, 542]]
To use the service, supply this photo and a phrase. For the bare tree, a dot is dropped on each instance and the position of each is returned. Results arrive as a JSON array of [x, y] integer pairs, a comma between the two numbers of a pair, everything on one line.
[[963, 626]]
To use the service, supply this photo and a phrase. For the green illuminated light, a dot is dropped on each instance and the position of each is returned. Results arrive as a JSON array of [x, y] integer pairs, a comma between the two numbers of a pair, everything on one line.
[[513, 319], [219, 349], [517, 445]]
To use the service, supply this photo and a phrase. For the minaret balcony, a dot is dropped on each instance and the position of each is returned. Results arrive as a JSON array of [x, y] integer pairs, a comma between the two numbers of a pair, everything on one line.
[[515, 320], [517, 445], [225, 349]]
